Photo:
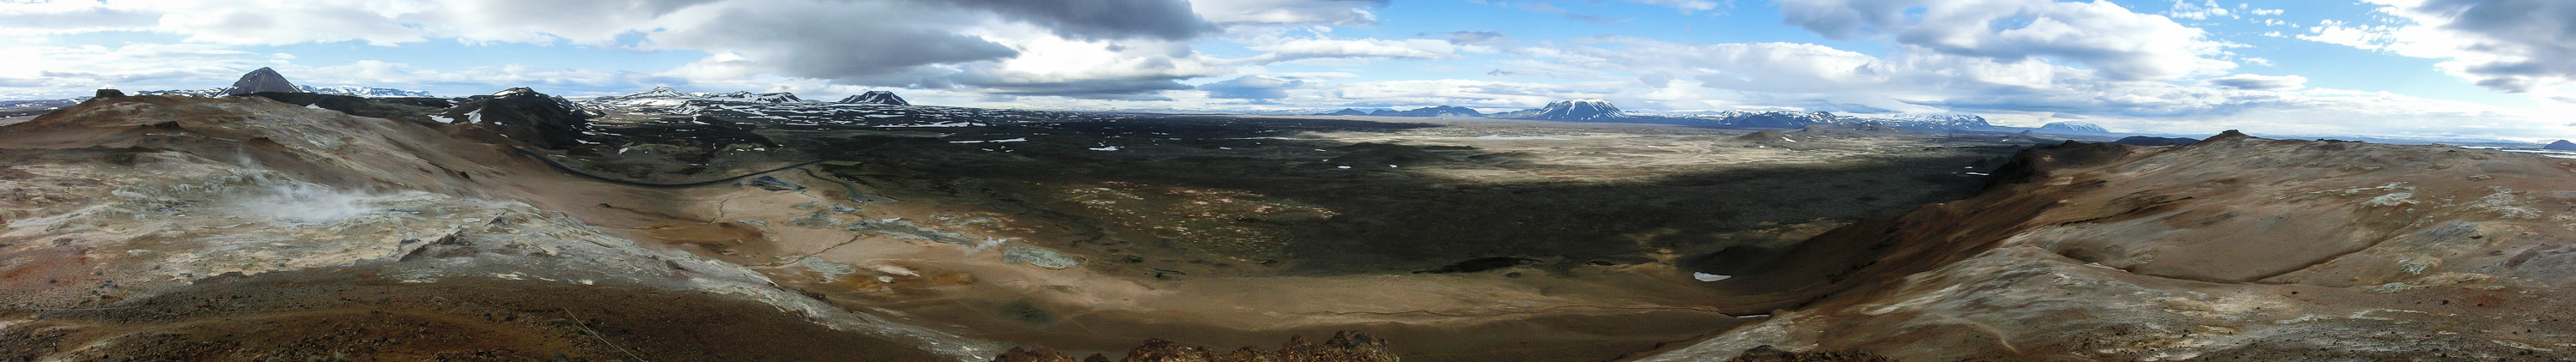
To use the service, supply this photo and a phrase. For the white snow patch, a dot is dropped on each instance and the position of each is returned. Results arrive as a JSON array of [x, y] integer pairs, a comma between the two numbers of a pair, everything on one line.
[[1113, 148], [1706, 277]]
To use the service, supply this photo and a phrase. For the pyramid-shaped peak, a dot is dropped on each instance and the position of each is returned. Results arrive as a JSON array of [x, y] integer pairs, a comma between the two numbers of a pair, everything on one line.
[[262, 80], [2561, 145]]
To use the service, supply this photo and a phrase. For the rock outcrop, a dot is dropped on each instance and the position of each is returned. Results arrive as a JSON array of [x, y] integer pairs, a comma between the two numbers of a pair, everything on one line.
[[2155, 141], [524, 116], [2236, 247]]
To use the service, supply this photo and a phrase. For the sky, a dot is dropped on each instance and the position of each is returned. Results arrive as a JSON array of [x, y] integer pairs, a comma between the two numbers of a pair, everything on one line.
[[2406, 68]]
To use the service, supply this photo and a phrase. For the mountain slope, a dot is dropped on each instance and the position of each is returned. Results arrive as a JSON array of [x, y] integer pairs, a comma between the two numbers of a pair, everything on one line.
[[876, 97], [327, 234], [2236, 246], [1569, 110], [1436, 111]]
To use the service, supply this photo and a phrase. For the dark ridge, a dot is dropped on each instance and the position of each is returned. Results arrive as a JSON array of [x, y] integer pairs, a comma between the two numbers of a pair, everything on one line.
[[1480, 264]]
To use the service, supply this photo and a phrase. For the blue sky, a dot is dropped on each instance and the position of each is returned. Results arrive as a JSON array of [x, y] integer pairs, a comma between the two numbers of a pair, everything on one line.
[[2475, 68]]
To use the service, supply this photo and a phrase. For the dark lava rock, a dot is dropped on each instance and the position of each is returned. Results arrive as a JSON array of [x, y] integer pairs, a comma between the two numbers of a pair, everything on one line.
[[408, 109], [2561, 145], [1763, 136], [876, 97], [1381, 155], [1767, 353], [523, 115], [2155, 141], [1346, 346], [773, 184], [1017, 354], [111, 93], [1479, 264], [261, 81]]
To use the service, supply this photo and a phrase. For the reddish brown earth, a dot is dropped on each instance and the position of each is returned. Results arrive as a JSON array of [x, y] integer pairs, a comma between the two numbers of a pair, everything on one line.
[[170, 228]]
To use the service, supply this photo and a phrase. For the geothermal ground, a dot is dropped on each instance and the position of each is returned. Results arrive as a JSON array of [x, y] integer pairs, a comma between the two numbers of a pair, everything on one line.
[[515, 226]]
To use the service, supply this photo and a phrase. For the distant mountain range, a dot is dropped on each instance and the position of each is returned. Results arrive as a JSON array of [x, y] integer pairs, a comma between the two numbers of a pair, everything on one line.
[[1570, 110], [1438, 111], [342, 90], [2073, 128], [667, 97]]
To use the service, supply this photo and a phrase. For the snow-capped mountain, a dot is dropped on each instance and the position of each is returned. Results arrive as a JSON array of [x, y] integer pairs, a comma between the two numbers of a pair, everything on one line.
[[1777, 119], [667, 97], [876, 97], [2072, 128], [1962, 121], [369, 92], [1570, 110], [268, 80]]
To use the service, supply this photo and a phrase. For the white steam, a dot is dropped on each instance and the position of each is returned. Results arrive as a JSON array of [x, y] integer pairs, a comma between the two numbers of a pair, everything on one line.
[[307, 203]]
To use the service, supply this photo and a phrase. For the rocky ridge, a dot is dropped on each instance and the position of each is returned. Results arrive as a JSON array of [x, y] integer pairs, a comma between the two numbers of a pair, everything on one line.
[[875, 97], [2330, 249]]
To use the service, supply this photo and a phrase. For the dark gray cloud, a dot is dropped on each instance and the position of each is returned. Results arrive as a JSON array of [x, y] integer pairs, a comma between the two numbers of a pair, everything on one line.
[[850, 44], [2259, 82], [1252, 87], [1137, 88], [1099, 19], [2536, 39]]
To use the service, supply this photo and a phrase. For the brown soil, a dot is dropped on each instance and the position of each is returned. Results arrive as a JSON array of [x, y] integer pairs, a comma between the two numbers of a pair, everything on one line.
[[343, 315]]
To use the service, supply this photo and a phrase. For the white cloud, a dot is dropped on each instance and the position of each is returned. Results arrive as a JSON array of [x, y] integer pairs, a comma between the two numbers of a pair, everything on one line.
[[1289, 12], [2124, 45], [1129, 48], [2183, 9], [2521, 46], [1298, 49]]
